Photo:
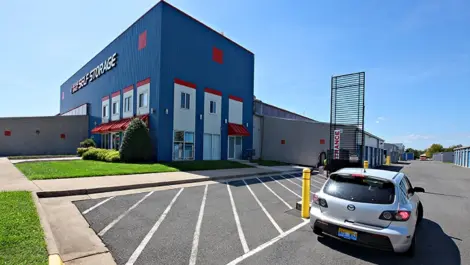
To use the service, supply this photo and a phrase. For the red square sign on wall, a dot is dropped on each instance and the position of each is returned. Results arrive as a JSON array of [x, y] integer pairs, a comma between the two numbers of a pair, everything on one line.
[[7, 133], [142, 40], [217, 55], [283, 141], [322, 141]]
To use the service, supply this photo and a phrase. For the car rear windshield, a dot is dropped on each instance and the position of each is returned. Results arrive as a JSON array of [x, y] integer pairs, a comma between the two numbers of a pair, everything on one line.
[[360, 189]]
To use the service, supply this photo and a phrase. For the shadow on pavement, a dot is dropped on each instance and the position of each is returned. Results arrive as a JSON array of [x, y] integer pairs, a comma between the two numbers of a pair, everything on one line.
[[433, 247], [448, 195], [402, 163]]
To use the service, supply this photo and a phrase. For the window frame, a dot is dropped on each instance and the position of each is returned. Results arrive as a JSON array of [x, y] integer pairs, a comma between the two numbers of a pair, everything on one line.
[[114, 108], [127, 103], [105, 111], [185, 100], [144, 99], [183, 143], [212, 103]]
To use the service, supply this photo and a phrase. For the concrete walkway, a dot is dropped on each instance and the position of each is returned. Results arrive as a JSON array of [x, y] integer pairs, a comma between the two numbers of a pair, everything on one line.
[[16, 161], [11, 179], [82, 186]]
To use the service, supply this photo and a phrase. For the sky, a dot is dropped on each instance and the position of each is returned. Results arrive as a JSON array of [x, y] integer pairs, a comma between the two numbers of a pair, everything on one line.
[[416, 55]]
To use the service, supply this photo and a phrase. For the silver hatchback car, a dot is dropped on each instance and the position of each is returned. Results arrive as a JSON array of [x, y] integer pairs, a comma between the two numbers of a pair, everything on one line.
[[368, 207]]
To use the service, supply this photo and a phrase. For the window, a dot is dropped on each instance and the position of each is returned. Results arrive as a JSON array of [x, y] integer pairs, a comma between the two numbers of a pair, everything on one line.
[[183, 145], [185, 97], [127, 104], [360, 189], [115, 107], [143, 100], [213, 107], [105, 111]]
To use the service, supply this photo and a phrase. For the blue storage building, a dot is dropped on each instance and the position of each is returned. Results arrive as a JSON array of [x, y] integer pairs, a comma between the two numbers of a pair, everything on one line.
[[191, 85], [462, 156]]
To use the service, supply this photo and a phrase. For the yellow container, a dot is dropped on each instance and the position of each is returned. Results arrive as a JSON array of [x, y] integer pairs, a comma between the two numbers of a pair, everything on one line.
[[366, 164]]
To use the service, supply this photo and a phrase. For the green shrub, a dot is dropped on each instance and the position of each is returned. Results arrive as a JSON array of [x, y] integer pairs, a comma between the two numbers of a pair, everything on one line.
[[112, 156], [82, 150], [88, 143], [101, 155], [136, 144]]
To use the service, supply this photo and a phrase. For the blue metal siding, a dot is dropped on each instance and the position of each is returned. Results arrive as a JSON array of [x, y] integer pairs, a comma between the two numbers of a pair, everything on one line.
[[187, 54], [132, 66]]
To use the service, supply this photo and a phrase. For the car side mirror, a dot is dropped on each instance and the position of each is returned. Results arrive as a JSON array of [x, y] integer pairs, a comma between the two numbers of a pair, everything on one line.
[[418, 189]]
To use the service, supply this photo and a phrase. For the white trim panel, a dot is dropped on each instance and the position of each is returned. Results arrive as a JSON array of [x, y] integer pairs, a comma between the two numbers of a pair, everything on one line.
[[184, 119], [212, 121], [235, 111]]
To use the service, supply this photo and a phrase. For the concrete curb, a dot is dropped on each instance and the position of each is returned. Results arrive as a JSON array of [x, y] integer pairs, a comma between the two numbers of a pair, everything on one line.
[[47, 194], [55, 260], [52, 250]]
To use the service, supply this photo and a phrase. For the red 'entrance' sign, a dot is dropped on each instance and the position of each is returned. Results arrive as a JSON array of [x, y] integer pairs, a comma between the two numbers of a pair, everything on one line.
[[337, 142]]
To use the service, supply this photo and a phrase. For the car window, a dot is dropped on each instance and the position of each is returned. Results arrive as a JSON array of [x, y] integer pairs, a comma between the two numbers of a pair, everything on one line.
[[404, 187], [360, 189], [408, 183]]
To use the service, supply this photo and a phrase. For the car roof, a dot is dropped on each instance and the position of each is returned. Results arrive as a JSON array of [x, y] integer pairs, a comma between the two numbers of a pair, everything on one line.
[[377, 173]]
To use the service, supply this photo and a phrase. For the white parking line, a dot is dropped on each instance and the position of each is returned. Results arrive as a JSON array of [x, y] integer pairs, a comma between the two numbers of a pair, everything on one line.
[[102, 232], [96, 205], [299, 184], [237, 221], [197, 232], [275, 194], [264, 209], [267, 244], [286, 188], [152, 231]]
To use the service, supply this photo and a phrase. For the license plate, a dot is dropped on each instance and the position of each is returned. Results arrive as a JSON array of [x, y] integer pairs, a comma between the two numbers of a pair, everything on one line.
[[347, 234]]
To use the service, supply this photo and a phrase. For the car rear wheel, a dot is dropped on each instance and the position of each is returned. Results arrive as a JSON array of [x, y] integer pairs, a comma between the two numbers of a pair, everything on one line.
[[420, 213]]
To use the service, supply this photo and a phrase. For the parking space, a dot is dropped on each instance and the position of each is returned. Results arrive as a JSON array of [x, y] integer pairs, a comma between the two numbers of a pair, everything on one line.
[[207, 224]]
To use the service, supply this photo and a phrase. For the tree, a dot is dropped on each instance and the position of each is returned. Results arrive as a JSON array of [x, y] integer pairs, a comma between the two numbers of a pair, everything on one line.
[[136, 144], [451, 148]]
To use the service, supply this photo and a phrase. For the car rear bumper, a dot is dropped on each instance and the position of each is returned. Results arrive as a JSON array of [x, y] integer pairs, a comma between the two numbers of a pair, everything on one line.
[[397, 239]]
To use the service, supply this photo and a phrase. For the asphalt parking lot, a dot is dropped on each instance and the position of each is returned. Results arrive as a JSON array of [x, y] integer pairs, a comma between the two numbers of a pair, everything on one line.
[[254, 221]]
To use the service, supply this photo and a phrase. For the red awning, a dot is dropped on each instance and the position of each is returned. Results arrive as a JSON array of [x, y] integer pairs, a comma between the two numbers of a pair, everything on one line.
[[237, 129], [117, 126]]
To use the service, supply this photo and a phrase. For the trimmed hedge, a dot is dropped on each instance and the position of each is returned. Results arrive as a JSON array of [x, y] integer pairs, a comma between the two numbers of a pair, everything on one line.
[[101, 155], [81, 150], [136, 144], [88, 143]]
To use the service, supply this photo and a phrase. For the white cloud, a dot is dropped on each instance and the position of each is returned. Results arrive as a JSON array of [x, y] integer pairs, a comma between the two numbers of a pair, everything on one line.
[[379, 119]]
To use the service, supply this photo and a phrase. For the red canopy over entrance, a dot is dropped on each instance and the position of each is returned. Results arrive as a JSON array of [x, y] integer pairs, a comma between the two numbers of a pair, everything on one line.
[[237, 129]]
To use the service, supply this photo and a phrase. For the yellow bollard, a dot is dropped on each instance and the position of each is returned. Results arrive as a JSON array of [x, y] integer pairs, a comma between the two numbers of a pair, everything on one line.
[[366, 164], [388, 163], [306, 193]]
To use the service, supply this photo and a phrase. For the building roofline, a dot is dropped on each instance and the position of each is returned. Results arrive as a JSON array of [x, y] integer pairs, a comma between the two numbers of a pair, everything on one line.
[[150, 9], [276, 107], [463, 147], [207, 26]]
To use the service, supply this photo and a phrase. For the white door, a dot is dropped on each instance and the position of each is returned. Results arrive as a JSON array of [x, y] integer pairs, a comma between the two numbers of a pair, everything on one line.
[[207, 152], [238, 147], [231, 147], [211, 147], [216, 147]]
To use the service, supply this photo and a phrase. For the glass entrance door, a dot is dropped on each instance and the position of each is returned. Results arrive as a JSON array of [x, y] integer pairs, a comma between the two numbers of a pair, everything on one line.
[[234, 147]]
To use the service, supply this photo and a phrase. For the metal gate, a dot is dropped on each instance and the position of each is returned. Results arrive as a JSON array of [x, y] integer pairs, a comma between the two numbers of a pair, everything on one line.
[[346, 121]]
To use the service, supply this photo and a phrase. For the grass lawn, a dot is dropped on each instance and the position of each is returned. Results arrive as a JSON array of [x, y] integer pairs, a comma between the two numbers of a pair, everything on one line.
[[269, 163], [39, 156], [88, 168], [21, 235]]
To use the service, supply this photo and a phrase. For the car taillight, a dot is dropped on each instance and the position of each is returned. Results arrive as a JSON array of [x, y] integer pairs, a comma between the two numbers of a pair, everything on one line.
[[319, 201], [400, 216]]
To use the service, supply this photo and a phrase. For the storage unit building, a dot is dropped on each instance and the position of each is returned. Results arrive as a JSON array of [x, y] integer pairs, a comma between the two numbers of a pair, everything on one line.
[[393, 151], [190, 84], [462, 156], [306, 142], [444, 157]]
